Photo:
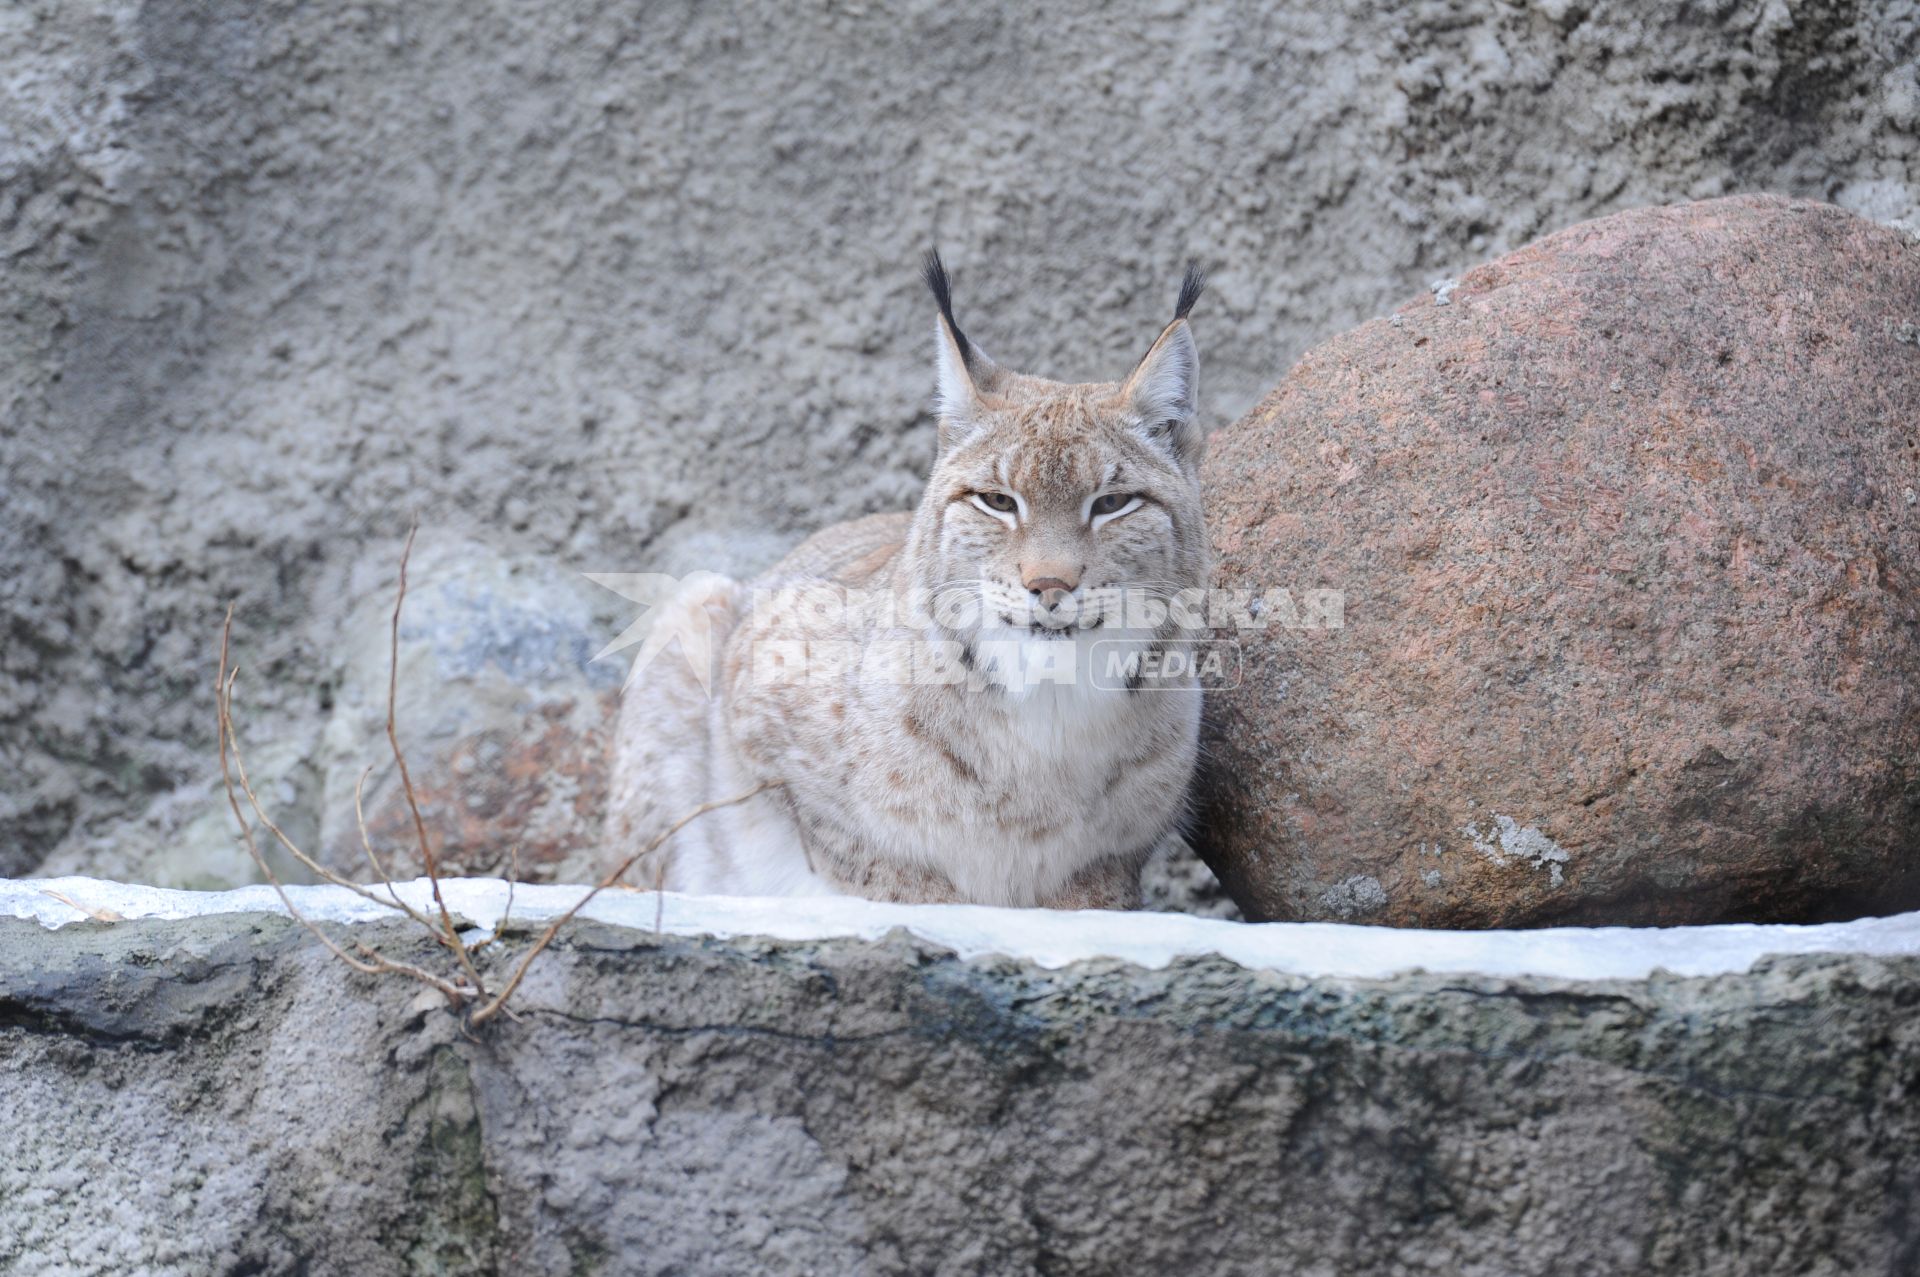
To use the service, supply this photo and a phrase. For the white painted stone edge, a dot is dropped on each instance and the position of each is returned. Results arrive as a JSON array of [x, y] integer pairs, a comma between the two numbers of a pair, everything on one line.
[[1046, 937]]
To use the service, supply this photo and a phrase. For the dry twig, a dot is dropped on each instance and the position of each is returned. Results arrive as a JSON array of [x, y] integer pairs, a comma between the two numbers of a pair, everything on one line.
[[467, 989], [488, 1011], [98, 915], [450, 937]]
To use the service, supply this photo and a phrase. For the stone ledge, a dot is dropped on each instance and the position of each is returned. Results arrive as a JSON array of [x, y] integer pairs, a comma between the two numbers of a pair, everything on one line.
[[212, 1093], [1046, 938]]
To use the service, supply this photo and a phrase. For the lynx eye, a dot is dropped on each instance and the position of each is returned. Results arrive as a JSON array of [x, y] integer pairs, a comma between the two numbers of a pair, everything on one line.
[[996, 501], [1108, 506]]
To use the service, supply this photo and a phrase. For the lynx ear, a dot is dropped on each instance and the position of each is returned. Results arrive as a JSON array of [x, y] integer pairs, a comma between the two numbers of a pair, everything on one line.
[[962, 370], [1163, 390]]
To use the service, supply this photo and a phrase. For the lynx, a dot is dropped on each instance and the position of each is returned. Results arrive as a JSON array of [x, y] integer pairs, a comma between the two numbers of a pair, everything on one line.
[[963, 745]]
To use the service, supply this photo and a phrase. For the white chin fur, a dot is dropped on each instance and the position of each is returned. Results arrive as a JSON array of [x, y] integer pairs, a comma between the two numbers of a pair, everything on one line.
[[1059, 673]]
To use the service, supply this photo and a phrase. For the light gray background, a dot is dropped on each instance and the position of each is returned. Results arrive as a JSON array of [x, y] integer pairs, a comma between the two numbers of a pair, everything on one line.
[[626, 286]]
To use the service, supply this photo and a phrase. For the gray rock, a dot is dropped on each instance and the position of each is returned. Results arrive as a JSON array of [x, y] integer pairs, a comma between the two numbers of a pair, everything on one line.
[[216, 1095], [1180, 882], [502, 710]]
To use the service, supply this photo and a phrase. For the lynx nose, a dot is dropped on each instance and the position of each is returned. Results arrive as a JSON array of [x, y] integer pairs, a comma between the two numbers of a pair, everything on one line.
[[1051, 585], [1052, 594]]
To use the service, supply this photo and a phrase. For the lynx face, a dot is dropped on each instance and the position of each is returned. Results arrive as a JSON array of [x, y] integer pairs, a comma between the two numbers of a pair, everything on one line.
[[1062, 507], [1056, 506]]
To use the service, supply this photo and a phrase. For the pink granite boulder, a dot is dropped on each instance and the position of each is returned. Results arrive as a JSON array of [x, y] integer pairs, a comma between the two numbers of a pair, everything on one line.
[[1628, 526]]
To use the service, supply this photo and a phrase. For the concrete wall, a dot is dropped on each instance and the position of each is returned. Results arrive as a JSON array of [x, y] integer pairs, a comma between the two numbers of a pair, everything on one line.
[[623, 286], [215, 1095]]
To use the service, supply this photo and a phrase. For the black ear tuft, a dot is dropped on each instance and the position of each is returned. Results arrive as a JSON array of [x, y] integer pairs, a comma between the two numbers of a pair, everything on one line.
[[1190, 289], [935, 273]]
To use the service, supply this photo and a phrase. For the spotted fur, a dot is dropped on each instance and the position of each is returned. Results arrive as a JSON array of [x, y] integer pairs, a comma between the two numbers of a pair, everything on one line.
[[978, 789]]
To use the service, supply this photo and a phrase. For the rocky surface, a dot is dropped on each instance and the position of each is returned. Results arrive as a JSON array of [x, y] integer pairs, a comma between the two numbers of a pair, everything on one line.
[[503, 712], [216, 1095], [1626, 525], [609, 287]]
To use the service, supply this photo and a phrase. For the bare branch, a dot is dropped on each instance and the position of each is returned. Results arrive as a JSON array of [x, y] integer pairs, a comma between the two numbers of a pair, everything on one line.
[[223, 703], [466, 990], [98, 915], [513, 877], [380, 870], [292, 848], [500, 927], [499, 999], [457, 995], [451, 937], [660, 896]]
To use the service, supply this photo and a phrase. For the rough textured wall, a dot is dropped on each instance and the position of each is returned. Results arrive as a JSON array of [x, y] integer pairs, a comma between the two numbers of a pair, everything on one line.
[[623, 286], [218, 1096]]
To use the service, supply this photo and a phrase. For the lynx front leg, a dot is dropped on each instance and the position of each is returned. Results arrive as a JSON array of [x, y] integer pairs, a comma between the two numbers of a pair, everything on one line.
[[1112, 882], [862, 872]]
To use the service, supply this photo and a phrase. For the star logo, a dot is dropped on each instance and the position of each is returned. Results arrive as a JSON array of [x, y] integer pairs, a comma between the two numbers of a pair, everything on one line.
[[675, 610]]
